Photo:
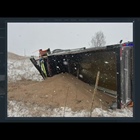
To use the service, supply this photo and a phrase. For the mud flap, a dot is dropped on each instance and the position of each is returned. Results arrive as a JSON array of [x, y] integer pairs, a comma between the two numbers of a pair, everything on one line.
[[38, 67]]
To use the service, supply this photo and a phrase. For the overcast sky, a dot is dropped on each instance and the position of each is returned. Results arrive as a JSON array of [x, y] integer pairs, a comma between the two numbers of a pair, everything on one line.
[[27, 38]]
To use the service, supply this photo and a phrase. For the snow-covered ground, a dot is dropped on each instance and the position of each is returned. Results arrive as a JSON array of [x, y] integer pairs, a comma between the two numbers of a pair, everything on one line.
[[19, 109], [24, 69]]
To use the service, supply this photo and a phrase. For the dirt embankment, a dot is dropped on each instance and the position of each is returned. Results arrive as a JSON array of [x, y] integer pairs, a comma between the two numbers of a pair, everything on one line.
[[58, 91], [15, 56]]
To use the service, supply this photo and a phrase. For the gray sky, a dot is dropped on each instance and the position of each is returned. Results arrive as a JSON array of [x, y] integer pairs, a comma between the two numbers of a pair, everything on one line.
[[26, 38]]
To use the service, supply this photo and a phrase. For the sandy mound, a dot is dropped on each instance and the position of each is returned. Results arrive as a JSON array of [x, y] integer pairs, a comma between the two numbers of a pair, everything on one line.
[[58, 91]]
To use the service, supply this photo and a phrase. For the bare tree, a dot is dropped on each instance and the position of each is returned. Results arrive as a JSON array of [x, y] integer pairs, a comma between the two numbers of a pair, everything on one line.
[[98, 40]]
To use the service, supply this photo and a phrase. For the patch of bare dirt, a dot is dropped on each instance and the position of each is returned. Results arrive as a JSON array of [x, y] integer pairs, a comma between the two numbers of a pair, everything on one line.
[[58, 91], [15, 56]]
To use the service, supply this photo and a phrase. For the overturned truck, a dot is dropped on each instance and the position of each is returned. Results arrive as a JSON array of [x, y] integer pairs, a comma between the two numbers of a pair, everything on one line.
[[115, 63]]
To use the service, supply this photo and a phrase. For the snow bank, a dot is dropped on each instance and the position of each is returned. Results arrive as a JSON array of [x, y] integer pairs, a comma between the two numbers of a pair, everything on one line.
[[22, 69], [19, 109]]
